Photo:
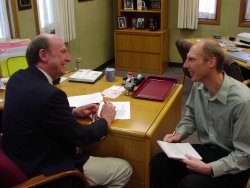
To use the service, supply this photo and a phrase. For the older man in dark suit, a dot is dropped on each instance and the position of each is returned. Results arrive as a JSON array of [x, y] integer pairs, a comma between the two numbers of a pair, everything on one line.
[[40, 130]]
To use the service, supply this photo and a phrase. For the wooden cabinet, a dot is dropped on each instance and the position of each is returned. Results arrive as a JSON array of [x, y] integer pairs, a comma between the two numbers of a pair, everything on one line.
[[141, 49]]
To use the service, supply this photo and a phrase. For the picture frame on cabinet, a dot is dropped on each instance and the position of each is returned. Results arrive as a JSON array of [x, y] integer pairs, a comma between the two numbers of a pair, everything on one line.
[[128, 4], [121, 22], [24, 4], [155, 4], [134, 23], [140, 23]]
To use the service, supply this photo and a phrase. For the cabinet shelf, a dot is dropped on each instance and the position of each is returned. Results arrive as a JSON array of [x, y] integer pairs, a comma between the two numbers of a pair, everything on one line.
[[131, 30], [137, 48], [141, 11]]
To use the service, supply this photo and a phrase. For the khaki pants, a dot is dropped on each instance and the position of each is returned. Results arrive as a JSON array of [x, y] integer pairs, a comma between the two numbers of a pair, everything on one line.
[[109, 171]]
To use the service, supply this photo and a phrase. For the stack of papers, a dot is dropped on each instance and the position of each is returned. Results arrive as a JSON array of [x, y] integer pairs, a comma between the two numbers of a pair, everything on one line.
[[122, 108], [178, 150], [85, 75]]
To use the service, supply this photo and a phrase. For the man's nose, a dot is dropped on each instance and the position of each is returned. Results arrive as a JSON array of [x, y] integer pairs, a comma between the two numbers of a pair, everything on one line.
[[185, 65], [67, 57]]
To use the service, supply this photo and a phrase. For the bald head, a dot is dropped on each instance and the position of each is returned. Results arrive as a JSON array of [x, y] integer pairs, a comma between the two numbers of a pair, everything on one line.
[[42, 41], [210, 48]]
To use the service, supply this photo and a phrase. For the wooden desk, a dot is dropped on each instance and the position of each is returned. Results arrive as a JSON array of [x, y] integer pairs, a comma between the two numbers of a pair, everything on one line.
[[134, 139]]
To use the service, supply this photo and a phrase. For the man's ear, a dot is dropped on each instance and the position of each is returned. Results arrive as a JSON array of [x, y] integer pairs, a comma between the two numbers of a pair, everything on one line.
[[212, 62], [43, 55]]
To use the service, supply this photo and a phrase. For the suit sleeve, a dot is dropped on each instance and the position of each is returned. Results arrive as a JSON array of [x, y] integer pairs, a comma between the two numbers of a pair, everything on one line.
[[60, 123]]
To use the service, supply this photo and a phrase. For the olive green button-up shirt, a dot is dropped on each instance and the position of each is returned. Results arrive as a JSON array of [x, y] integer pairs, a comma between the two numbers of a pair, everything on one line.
[[222, 120]]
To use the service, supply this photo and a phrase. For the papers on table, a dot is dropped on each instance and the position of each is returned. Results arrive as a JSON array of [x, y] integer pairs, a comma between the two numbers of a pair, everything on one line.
[[178, 150], [81, 100], [242, 56], [113, 92], [122, 108], [2, 87], [63, 79]]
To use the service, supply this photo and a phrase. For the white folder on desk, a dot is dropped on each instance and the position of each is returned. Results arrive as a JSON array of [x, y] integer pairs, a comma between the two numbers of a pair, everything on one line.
[[242, 56]]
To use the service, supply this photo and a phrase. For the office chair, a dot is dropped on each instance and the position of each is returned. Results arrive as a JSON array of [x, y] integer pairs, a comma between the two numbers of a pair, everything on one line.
[[183, 48], [232, 68], [15, 63], [12, 176], [4, 70]]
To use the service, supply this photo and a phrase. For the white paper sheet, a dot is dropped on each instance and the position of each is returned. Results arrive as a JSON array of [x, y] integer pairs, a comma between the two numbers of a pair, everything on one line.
[[113, 92], [122, 109], [80, 100]]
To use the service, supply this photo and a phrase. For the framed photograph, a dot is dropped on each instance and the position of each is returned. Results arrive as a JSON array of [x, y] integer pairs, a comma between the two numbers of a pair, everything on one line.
[[24, 4], [140, 24], [128, 4], [155, 4], [121, 22], [134, 23]]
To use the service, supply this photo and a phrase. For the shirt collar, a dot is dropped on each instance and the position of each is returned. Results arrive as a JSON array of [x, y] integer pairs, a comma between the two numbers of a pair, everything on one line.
[[222, 93], [47, 76]]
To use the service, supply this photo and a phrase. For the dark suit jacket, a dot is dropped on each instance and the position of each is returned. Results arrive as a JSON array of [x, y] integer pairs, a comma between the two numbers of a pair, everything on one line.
[[39, 131]]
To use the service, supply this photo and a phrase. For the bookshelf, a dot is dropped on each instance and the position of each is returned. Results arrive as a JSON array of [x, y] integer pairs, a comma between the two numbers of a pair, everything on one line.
[[143, 45]]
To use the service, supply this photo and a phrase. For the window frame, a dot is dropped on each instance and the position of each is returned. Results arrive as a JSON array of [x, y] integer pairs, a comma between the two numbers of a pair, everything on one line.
[[36, 17], [215, 21], [242, 21], [14, 32]]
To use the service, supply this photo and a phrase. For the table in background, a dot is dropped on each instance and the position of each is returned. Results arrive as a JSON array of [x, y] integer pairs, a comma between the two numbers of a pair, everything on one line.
[[245, 69], [241, 63]]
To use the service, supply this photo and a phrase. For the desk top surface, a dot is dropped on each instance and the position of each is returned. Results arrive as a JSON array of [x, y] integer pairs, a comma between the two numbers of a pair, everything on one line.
[[143, 112]]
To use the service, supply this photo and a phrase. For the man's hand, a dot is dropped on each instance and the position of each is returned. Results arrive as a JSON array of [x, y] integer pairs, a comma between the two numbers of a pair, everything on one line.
[[197, 165], [108, 112], [84, 111], [172, 138]]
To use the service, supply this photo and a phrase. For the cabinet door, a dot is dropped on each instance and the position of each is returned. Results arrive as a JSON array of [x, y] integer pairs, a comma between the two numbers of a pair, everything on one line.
[[138, 43], [139, 62]]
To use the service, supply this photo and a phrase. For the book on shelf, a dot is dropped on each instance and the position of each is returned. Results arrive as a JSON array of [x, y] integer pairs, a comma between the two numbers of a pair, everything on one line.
[[85, 75], [178, 150]]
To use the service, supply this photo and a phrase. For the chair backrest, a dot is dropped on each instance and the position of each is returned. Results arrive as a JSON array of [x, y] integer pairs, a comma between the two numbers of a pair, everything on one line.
[[183, 47], [15, 63], [232, 68], [10, 173], [4, 69]]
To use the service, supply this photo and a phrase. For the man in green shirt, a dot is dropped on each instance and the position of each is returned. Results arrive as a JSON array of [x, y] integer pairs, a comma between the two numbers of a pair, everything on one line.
[[218, 108]]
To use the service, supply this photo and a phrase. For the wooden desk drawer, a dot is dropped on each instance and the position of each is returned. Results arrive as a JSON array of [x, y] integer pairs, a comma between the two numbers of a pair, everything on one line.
[[139, 61], [132, 150], [138, 42]]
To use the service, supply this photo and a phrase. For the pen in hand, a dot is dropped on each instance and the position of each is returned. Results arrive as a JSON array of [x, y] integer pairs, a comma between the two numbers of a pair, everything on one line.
[[173, 133]]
